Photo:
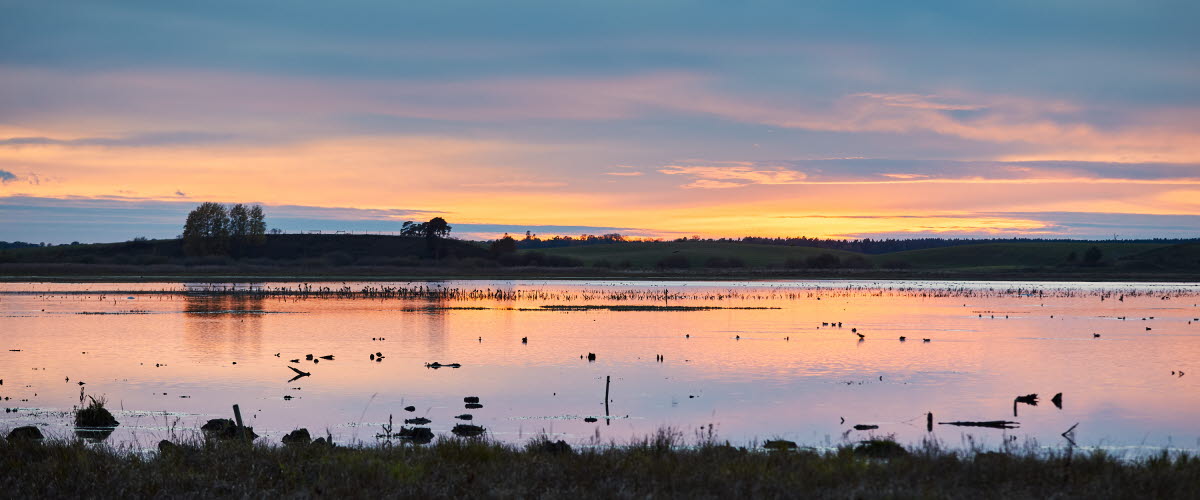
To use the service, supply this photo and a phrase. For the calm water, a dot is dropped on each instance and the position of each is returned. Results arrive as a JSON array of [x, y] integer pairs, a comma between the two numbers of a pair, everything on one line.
[[179, 359]]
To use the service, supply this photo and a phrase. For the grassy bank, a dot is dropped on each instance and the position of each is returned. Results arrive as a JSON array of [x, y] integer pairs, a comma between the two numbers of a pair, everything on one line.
[[655, 467], [368, 257]]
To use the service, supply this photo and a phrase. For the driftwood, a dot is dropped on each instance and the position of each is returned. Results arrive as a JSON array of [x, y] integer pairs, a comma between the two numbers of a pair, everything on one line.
[[1070, 434], [1029, 399], [994, 424], [299, 374], [865, 427]]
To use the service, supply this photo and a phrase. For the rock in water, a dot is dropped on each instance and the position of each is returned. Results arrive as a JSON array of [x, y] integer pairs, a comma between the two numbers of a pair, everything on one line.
[[95, 415], [224, 428], [419, 435], [297, 437], [467, 430]]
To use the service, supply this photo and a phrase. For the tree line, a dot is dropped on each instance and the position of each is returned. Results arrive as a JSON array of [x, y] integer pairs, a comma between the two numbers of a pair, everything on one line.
[[212, 229], [864, 245]]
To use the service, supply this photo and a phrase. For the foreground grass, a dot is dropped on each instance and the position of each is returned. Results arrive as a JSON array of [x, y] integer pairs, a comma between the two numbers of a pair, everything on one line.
[[655, 467]]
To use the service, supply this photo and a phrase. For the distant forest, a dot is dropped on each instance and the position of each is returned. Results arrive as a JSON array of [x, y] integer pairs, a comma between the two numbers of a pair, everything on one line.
[[865, 245]]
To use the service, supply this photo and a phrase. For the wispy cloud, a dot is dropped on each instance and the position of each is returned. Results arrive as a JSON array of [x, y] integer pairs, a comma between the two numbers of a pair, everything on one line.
[[732, 176], [867, 172], [517, 184], [157, 139]]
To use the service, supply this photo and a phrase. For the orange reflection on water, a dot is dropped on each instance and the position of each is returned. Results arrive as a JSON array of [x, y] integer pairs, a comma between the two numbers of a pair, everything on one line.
[[774, 370]]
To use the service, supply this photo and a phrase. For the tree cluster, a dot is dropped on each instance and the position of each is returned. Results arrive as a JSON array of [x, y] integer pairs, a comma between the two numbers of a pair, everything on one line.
[[435, 228], [212, 229]]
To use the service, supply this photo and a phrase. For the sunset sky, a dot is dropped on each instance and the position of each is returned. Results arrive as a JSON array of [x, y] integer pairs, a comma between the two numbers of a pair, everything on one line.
[[650, 118]]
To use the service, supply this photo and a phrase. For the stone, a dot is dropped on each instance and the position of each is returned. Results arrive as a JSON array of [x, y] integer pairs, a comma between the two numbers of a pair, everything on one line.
[[26, 433], [297, 437]]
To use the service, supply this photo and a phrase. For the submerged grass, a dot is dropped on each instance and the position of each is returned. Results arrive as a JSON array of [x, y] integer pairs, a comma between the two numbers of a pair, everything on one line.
[[657, 466]]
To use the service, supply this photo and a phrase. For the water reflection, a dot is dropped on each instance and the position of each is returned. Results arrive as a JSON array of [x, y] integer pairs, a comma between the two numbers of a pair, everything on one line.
[[224, 325], [757, 360]]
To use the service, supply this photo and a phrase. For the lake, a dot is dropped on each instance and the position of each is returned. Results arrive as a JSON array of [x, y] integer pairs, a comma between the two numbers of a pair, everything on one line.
[[753, 360]]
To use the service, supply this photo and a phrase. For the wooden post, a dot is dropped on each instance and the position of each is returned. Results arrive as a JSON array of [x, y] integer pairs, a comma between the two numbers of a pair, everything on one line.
[[607, 382], [237, 416], [929, 422]]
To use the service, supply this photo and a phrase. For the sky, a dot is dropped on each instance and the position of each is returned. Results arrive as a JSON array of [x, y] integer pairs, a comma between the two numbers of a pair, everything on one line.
[[847, 119]]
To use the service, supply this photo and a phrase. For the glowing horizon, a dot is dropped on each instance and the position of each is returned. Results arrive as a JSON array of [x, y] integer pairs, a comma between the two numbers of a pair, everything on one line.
[[772, 121]]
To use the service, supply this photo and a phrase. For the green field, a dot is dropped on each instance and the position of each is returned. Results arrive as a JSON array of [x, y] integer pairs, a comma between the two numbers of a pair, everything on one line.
[[379, 257], [981, 257], [291, 249]]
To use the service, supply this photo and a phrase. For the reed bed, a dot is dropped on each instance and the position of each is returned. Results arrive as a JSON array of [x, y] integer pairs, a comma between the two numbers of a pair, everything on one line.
[[658, 466], [762, 292]]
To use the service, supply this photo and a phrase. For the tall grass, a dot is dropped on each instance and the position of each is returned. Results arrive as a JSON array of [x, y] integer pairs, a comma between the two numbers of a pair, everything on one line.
[[661, 465]]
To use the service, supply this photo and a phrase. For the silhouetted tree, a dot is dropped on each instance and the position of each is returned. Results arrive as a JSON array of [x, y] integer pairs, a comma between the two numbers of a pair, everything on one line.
[[239, 222], [503, 246], [437, 228], [411, 228], [211, 229], [257, 230], [246, 228], [206, 230], [1092, 256]]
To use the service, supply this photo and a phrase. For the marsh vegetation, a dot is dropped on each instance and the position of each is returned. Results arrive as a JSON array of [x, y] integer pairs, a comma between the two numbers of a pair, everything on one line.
[[702, 468]]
